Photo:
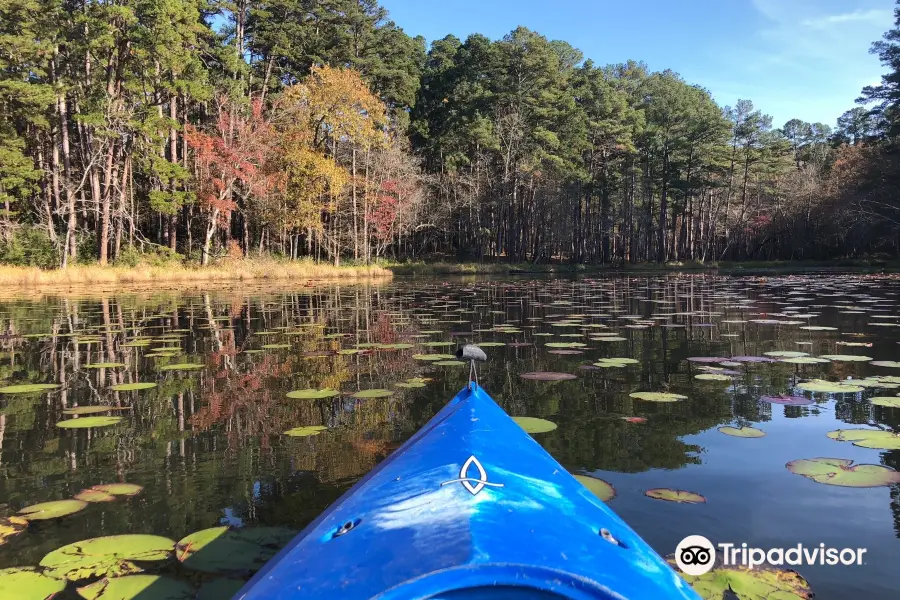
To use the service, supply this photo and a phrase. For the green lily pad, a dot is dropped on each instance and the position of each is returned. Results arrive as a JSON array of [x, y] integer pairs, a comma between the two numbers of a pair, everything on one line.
[[658, 396], [609, 338], [490, 344], [119, 489], [786, 354], [375, 393], [131, 387], [219, 589], [105, 365], [109, 556], [744, 432], [742, 583], [52, 510], [805, 360], [131, 587], [27, 583], [829, 387], [224, 550], [449, 363], [85, 422], [888, 401], [28, 388], [91, 495], [547, 376], [867, 438], [534, 425], [137, 343], [276, 346], [565, 345], [11, 527], [348, 351], [878, 363], [838, 471], [846, 357], [712, 377], [598, 487], [433, 357], [312, 394], [679, 496], [615, 363], [438, 344], [305, 431], [182, 367]]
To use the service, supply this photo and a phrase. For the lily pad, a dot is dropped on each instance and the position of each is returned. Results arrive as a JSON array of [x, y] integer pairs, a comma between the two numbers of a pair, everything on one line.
[[89, 410], [742, 583], [131, 387], [131, 587], [712, 377], [433, 357], [888, 401], [27, 583], [657, 396], [110, 556], [28, 388], [182, 367], [547, 376], [92, 495], [744, 432], [105, 365], [276, 346], [788, 400], [679, 496], [11, 527], [598, 487], [313, 394], [829, 387], [305, 431], [565, 345], [224, 550], [867, 438], [375, 393], [805, 360], [535, 425], [878, 363], [52, 510], [838, 471], [119, 489], [449, 363], [846, 357], [85, 422]]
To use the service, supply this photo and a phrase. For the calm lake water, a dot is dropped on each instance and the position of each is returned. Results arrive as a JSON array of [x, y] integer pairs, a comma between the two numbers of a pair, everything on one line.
[[208, 444]]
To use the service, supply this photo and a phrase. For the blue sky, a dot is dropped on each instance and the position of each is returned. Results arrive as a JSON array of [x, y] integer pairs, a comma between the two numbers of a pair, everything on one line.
[[793, 58]]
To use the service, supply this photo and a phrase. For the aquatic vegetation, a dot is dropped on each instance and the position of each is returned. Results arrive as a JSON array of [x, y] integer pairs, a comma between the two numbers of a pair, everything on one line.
[[110, 556], [842, 472], [373, 393], [744, 432], [313, 394], [132, 387], [306, 430], [52, 510], [679, 496], [658, 396], [224, 550], [867, 438], [28, 583], [11, 527], [534, 424], [85, 422], [131, 587], [742, 583], [28, 388], [547, 376], [597, 486]]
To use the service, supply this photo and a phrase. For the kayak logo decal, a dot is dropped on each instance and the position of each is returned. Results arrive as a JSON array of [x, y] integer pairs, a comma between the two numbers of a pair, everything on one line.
[[480, 482]]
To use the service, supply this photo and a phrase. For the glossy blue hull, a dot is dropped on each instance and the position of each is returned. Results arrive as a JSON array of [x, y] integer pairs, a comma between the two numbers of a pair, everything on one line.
[[469, 507]]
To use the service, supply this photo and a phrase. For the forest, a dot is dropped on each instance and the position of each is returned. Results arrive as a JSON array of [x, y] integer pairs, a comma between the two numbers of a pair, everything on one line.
[[200, 130]]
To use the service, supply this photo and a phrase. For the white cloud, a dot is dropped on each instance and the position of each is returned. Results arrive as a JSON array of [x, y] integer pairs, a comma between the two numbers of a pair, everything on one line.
[[874, 15]]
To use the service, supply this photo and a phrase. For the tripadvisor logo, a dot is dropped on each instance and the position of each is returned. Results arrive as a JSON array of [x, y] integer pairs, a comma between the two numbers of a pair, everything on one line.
[[696, 555]]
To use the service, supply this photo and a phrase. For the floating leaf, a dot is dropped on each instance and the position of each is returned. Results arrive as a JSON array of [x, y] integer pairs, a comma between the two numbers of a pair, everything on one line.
[[788, 400], [119, 489], [88, 410], [109, 556], [805, 360], [52, 510], [547, 376], [784, 354], [131, 387], [375, 393], [846, 357], [224, 550], [491, 344], [888, 401], [11, 527], [132, 587], [85, 422], [658, 396], [534, 425], [565, 345], [744, 432], [680, 496], [305, 431], [712, 377], [182, 367], [28, 388], [276, 346], [838, 471], [829, 387], [449, 363], [752, 359], [867, 438], [743, 583], [431, 357], [91, 495], [313, 394], [597, 486], [105, 365], [878, 363], [27, 583]]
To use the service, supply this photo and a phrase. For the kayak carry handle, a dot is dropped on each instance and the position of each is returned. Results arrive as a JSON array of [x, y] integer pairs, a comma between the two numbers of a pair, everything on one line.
[[472, 353]]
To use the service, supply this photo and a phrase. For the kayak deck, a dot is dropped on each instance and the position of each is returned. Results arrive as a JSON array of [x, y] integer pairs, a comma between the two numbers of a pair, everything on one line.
[[469, 507]]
